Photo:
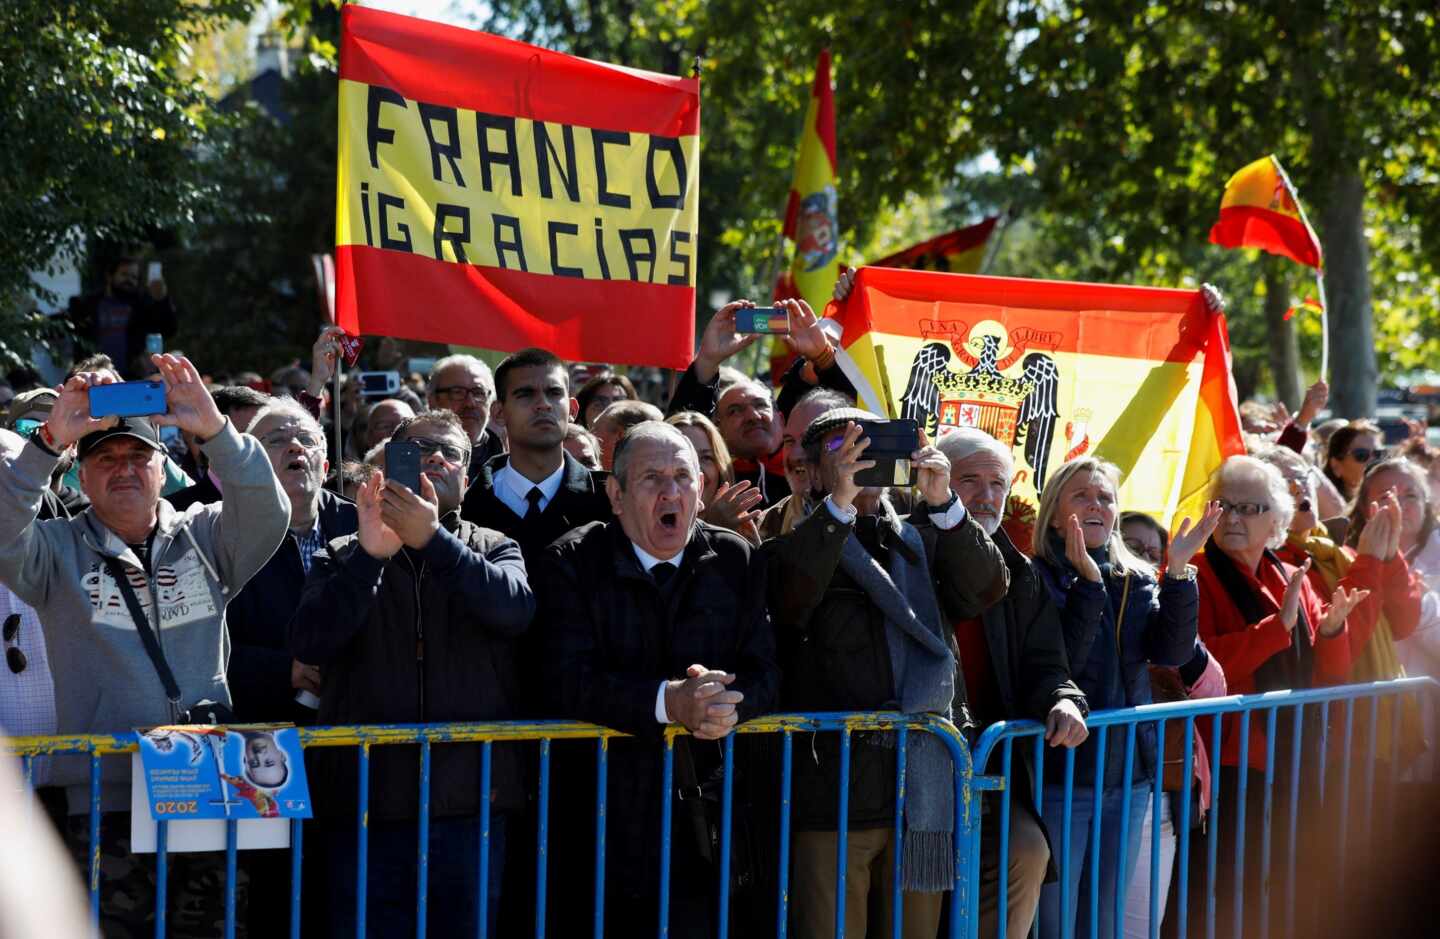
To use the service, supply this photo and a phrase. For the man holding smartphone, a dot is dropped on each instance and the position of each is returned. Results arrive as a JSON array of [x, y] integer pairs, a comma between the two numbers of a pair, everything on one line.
[[108, 638], [415, 618], [856, 595]]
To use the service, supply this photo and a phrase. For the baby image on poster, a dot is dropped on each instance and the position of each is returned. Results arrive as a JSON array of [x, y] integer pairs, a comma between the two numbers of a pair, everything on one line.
[[195, 771]]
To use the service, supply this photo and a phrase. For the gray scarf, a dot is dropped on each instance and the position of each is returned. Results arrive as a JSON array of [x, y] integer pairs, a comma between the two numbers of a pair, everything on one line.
[[924, 671]]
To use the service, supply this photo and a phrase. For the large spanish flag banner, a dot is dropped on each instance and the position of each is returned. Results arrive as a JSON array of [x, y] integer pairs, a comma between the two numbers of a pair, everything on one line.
[[1261, 210], [1139, 376], [812, 221], [491, 193], [959, 252]]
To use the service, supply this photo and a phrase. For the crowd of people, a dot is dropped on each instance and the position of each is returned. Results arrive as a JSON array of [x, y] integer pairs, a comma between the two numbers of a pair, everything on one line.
[[573, 551]]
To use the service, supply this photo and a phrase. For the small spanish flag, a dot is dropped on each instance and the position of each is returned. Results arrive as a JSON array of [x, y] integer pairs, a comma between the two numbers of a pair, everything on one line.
[[958, 252], [1260, 210], [1309, 303], [811, 215]]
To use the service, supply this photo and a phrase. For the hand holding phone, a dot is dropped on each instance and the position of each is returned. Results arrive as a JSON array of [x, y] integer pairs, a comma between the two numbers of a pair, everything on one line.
[[763, 320]]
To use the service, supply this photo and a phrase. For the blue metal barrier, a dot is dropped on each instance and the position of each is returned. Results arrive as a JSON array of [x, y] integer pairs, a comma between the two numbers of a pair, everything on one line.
[[968, 784], [1291, 706]]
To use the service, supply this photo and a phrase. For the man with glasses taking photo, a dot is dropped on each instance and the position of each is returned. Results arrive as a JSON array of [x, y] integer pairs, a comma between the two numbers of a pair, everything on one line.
[[415, 618], [462, 383]]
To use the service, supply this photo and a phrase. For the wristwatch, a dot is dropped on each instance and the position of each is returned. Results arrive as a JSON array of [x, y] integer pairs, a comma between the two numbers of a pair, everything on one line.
[[1188, 574]]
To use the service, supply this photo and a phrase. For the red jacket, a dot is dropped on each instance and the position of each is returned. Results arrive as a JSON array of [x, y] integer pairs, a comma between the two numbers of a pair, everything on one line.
[[1395, 593], [1242, 648]]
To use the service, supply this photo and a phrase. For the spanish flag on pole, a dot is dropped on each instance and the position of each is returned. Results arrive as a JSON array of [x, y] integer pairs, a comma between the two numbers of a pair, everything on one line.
[[811, 219], [1261, 210], [1139, 376], [959, 252]]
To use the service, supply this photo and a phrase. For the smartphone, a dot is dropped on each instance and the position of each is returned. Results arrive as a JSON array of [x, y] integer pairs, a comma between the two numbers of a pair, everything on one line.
[[379, 384], [402, 463], [152, 272], [154, 343], [128, 399], [891, 444], [766, 320]]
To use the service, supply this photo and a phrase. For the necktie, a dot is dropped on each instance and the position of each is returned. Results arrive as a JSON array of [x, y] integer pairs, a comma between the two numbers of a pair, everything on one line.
[[533, 497], [662, 572]]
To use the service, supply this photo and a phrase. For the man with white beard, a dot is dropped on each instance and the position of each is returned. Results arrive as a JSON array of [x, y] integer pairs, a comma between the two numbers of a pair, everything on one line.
[[1013, 657]]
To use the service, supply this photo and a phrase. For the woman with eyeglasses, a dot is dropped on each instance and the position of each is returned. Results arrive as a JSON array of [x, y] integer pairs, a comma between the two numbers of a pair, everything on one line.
[[1117, 618], [1272, 631], [1351, 449]]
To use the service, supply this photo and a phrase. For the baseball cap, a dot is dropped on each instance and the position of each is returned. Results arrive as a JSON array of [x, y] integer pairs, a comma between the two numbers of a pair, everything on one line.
[[32, 405], [138, 427], [831, 419]]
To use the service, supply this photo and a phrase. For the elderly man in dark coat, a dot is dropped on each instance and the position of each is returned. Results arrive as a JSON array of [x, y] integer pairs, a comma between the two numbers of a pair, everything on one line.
[[650, 619]]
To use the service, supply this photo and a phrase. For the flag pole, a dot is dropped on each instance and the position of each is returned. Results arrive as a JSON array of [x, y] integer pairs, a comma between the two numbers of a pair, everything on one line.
[[997, 240], [1319, 271], [339, 443]]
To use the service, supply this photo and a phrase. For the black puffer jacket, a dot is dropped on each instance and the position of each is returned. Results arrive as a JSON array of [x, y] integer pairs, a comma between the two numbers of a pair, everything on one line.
[[426, 636], [835, 657]]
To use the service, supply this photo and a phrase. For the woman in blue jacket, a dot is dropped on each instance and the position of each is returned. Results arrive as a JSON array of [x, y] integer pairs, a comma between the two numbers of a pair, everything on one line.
[[1117, 619]]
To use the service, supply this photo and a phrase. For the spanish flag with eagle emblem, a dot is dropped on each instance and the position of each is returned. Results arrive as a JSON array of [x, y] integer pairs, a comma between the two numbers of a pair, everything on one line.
[[1139, 376]]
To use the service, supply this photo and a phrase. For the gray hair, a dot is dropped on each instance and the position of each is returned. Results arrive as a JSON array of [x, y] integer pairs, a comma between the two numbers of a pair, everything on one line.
[[1282, 504], [287, 407], [655, 431], [964, 442], [465, 361]]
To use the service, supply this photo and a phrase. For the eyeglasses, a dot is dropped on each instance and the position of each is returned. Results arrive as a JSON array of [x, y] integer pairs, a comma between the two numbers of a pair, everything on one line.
[[1366, 455], [473, 393], [13, 656], [1143, 551], [304, 438], [1244, 509], [449, 451]]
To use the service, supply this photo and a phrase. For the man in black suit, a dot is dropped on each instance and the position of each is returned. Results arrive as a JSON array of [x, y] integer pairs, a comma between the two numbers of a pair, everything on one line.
[[536, 492], [651, 619]]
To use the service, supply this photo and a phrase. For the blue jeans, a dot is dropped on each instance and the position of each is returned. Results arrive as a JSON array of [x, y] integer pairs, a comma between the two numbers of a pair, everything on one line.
[[1076, 875], [452, 880]]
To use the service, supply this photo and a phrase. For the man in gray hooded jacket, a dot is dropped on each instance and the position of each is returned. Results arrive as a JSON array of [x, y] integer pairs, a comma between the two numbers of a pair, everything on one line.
[[182, 569]]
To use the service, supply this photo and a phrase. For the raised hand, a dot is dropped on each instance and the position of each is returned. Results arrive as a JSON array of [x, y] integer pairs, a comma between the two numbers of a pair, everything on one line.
[[806, 337], [1381, 527], [1316, 397], [376, 538], [720, 341], [1341, 604], [1188, 541], [844, 284], [70, 418], [847, 465], [734, 505], [1214, 299], [323, 357], [1076, 554], [1290, 603], [932, 472], [413, 517], [191, 408]]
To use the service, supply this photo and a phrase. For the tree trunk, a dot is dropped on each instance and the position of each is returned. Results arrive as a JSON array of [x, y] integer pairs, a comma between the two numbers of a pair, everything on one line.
[[1282, 346], [1353, 373]]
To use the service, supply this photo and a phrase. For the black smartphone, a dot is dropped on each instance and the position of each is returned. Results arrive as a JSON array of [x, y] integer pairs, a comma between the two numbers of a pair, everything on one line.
[[127, 399], [891, 444], [765, 320], [402, 463]]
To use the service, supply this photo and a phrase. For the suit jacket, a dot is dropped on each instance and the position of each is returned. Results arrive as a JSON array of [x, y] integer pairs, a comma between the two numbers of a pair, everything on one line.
[[580, 499], [612, 635]]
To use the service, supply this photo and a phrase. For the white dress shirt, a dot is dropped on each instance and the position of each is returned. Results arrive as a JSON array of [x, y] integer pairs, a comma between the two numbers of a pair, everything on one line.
[[511, 488]]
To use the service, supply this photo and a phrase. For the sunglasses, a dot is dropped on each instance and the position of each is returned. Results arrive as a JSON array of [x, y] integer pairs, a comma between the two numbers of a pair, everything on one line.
[[13, 656], [1366, 455], [450, 452]]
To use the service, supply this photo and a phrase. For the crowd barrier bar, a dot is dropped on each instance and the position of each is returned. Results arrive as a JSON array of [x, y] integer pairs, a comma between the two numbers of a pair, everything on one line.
[[1003, 735], [364, 738]]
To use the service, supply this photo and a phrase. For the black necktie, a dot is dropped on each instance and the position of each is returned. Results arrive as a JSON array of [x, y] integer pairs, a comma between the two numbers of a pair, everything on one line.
[[533, 497], [662, 572]]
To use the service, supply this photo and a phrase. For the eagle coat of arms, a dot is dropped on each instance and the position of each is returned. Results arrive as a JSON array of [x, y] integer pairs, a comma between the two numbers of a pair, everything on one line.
[[1018, 409]]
